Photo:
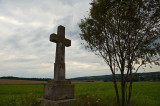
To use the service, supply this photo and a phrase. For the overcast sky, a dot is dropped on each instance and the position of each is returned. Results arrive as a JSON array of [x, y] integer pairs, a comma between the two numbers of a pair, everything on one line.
[[25, 49]]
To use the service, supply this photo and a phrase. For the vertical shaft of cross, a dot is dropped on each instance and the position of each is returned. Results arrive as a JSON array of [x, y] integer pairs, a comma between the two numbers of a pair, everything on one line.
[[60, 47], [59, 67]]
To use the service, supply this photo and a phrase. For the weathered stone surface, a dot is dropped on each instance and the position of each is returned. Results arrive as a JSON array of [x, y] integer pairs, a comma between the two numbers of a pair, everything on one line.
[[55, 38], [59, 39], [59, 88], [59, 71], [46, 102]]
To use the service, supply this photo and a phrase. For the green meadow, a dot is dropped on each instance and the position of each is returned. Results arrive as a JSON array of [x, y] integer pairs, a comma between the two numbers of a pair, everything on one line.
[[143, 93]]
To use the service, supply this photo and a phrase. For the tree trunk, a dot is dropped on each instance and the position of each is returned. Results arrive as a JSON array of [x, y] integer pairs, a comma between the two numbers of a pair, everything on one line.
[[130, 88], [123, 90], [116, 89], [123, 82]]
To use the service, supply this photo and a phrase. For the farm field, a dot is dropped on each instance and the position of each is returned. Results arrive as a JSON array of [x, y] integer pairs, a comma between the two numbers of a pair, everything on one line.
[[144, 93]]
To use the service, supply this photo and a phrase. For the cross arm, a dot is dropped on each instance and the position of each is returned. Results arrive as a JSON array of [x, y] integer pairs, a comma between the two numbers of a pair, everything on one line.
[[55, 38], [67, 42]]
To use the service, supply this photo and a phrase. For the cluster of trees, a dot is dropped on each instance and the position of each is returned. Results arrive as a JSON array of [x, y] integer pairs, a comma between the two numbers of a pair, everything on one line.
[[18, 78], [140, 77]]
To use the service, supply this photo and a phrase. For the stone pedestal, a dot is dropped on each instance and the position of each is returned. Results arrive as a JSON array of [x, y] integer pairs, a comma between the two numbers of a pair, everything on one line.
[[58, 90]]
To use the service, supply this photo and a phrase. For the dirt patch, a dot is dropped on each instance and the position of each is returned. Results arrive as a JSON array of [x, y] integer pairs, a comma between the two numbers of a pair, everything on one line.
[[10, 81]]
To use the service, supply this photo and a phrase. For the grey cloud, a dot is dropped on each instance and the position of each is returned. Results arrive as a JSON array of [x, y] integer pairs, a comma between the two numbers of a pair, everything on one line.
[[72, 2], [25, 49]]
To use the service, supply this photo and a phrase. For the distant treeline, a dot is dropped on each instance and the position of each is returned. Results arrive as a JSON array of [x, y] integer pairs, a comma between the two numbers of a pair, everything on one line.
[[151, 76], [18, 78]]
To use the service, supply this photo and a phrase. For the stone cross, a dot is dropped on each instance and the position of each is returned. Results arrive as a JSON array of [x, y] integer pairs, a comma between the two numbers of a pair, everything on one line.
[[61, 42], [59, 88]]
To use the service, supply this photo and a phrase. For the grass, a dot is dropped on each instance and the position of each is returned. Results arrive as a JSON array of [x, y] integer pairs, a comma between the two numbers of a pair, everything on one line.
[[144, 93], [100, 89], [18, 92]]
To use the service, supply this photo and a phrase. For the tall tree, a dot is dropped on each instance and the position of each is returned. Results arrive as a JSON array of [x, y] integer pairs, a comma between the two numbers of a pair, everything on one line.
[[126, 34]]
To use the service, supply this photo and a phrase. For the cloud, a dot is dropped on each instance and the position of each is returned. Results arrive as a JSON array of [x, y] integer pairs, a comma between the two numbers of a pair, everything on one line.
[[25, 29], [25, 49]]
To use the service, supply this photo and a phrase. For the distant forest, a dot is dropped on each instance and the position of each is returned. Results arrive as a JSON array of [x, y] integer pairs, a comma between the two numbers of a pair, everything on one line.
[[19, 78], [151, 76]]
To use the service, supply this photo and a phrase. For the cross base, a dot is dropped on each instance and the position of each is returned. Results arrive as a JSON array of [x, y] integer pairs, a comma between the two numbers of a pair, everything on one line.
[[58, 90], [46, 102]]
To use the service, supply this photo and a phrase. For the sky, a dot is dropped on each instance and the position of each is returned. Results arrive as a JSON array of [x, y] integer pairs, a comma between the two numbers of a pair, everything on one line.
[[25, 49]]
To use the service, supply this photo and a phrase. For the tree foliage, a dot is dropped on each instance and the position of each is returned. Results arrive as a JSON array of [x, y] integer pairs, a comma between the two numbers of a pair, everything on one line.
[[126, 34]]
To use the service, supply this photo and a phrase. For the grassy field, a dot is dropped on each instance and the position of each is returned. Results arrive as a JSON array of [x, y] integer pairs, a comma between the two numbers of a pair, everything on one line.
[[144, 93]]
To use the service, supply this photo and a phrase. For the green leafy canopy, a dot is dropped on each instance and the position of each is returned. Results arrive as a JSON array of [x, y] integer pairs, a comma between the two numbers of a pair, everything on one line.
[[123, 31]]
